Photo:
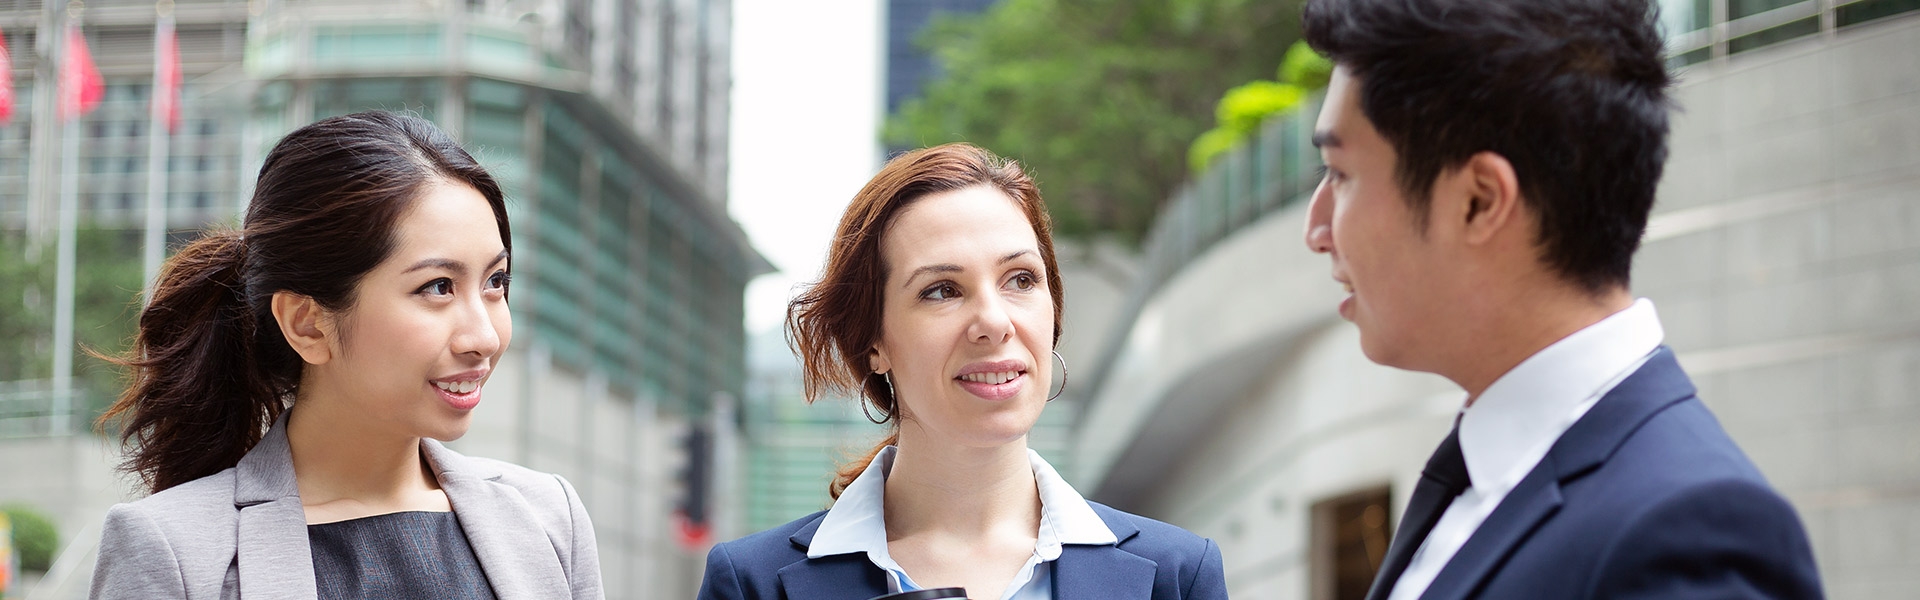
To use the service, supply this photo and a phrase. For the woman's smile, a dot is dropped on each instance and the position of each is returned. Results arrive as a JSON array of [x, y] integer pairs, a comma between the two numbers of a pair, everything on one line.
[[999, 380]]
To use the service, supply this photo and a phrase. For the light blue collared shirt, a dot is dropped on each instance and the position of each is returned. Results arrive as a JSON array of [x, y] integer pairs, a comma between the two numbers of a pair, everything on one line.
[[857, 523]]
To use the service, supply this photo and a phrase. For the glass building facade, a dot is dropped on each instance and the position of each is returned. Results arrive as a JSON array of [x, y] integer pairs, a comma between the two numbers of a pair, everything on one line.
[[204, 173], [625, 262]]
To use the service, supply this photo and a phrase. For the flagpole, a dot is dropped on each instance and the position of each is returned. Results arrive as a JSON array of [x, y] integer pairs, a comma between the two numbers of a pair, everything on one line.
[[158, 132], [69, 226], [40, 149]]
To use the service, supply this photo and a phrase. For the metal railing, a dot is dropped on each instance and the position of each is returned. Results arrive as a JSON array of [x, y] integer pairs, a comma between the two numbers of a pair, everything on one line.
[[30, 408], [1272, 171]]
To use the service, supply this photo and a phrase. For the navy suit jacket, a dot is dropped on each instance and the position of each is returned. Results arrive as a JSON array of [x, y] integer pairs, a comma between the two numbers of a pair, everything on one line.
[[1644, 497], [1153, 560]]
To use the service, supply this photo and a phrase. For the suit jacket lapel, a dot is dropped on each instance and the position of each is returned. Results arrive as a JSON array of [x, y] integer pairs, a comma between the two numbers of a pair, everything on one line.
[[1102, 573], [1431, 497], [1088, 572], [518, 558], [1536, 498], [1658, 384], [840, 576], [271, 551]]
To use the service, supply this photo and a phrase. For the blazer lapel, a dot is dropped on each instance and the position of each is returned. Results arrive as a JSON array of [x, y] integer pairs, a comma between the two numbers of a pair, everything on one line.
[[840, 576], [1658, 384], [518, 558], [1536, 498], [1089, 572], [271, 551], [837, 577], [1102, 573]]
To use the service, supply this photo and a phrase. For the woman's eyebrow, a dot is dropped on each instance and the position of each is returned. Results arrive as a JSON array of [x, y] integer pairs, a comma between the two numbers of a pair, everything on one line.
[[449, 264], [939, 268]]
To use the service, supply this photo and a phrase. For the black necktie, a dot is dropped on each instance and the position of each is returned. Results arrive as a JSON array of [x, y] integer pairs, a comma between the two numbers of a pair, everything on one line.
[[1444, 478]]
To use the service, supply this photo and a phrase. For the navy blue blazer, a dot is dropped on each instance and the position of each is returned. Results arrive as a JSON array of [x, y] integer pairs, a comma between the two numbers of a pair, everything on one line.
[[1153, 560], [1644, 497]]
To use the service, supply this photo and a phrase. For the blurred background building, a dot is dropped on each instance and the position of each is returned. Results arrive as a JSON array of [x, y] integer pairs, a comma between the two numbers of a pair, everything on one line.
[[607, 123], [1212, 384]]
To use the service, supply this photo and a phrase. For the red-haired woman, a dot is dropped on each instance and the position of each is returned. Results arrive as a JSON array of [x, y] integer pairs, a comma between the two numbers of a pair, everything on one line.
[[940, 307]]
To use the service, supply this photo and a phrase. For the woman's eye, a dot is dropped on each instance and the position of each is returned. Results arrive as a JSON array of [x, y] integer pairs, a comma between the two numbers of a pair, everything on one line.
[[1024, 282], [499, 280], [440, 287], [944, 291]]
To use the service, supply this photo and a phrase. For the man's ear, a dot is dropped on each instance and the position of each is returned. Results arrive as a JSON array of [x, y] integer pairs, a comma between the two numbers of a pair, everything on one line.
[[1492, 193], [305, 326]]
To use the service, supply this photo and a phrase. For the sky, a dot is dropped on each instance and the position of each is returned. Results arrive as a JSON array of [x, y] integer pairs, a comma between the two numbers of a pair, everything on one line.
[[806, 97]]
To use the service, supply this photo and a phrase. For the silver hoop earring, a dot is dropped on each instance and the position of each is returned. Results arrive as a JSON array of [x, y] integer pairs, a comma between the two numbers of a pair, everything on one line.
[[869, 414], [1063, 376]]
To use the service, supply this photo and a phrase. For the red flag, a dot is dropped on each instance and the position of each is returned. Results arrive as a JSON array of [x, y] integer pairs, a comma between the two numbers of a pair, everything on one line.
[[80, 84], [166, 74], [6, 82]]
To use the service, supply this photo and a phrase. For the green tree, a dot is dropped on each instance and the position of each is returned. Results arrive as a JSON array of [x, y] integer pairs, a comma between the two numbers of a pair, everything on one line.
[[35, 538], [106, 307], [1244, 108], [1098, 98]]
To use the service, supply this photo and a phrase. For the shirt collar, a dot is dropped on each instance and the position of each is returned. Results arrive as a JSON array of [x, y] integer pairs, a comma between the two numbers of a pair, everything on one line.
[[1532, 404], [857, 522]]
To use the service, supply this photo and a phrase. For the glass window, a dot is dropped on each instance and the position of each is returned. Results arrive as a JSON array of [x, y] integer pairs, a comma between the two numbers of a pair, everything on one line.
[[1861, 12], [1746, 8], [1803, 27], [1349, 539]]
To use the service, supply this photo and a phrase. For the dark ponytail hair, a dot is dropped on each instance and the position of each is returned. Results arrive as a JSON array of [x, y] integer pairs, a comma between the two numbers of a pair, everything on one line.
[[210, 370]]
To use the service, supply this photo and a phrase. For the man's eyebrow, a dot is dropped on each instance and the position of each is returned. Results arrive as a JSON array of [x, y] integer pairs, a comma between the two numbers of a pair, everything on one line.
[[1325, 139]]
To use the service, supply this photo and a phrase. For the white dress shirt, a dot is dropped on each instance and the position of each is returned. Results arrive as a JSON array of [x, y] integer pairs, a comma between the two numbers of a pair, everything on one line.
[[857, 523], [1518, 418]]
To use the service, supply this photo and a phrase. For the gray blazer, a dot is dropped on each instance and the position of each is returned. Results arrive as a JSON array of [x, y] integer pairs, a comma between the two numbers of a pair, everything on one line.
[[242, 532]]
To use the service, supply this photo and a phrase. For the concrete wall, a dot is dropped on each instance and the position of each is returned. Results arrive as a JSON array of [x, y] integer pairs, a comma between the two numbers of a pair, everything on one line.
[[1783, 257], [1785, 260]]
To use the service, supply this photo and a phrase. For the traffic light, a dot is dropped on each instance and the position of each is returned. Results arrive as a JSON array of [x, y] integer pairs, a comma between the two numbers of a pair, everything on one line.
[[690, 514]]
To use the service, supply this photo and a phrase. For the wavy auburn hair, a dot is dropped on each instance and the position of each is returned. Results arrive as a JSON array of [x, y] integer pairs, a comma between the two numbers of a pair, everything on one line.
[[835, 322]]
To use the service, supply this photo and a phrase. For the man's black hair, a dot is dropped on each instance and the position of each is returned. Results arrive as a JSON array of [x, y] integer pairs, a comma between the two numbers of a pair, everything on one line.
[[1572, 92]]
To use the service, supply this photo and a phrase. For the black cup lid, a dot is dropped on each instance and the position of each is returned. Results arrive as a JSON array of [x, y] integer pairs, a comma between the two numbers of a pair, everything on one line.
[[934, 594]]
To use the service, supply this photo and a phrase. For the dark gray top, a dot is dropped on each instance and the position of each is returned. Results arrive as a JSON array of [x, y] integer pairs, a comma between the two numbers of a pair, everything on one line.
[[396, 555]]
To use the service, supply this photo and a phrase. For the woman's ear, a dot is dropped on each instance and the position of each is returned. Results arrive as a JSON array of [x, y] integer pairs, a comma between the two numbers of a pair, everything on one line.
[[305, 326], [877, 360]]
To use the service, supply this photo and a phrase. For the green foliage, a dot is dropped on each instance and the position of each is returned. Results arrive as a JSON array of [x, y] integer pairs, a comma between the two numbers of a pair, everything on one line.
[[106, 306], [1243, 108], [35, 538], [1305, 68], [1097, 98], [1212, 144]]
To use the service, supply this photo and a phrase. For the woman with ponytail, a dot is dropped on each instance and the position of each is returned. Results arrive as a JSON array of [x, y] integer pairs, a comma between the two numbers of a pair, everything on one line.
[[939, 308], [292, 383]]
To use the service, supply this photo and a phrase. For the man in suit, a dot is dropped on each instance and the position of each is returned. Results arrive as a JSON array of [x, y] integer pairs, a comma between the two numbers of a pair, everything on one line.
[[1490, 168]]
